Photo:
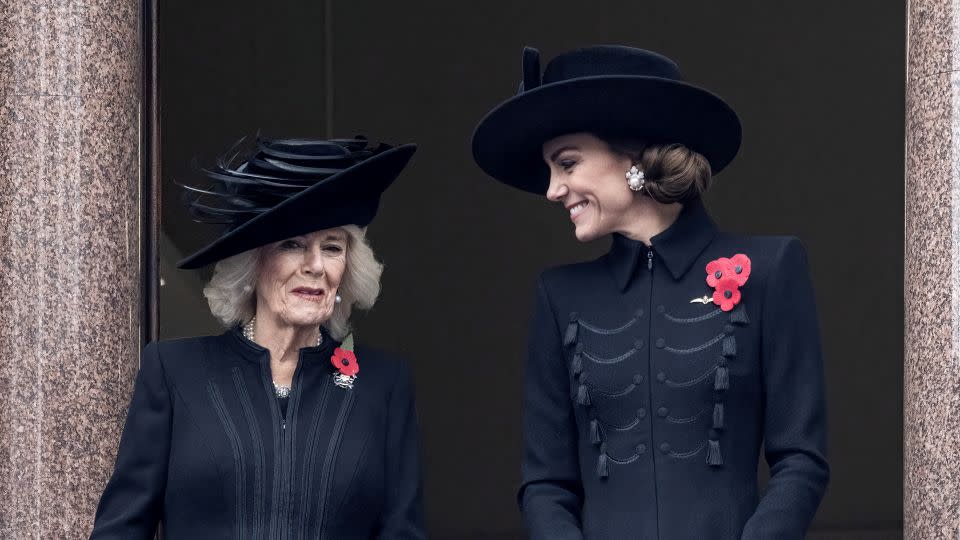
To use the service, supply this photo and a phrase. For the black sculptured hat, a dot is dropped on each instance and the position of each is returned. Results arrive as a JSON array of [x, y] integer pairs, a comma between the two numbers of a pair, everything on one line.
[[289, 187], [611, 90]]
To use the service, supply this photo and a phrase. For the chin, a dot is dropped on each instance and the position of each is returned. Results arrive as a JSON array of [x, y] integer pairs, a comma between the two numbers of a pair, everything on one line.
[[308, 319], [585, 234]]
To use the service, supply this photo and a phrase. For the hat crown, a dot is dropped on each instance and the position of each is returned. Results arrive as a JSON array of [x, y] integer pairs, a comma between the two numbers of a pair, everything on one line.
[[610, 60], [276, 170]]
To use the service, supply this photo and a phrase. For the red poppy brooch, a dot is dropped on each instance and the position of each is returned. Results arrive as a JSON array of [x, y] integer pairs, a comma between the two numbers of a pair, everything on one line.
[[345, 362], [726, 276]]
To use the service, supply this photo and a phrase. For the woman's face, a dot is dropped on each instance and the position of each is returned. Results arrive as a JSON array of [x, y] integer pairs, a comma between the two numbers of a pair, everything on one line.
[[299, 277], [590, 181]]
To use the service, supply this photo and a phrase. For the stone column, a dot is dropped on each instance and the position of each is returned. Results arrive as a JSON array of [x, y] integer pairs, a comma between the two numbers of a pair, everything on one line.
[[931, 503], [70, 86]]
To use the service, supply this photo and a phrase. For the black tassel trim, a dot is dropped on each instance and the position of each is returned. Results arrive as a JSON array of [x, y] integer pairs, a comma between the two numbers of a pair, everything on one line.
[[570, 336], [577, 364], [739, 315], [583, 395], [718, 416], [602, 471], [729, 346], [595, 432], [722, 380], [714, 459]]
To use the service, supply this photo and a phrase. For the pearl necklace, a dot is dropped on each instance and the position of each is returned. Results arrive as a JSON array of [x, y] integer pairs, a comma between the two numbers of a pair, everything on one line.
[[281, 390]]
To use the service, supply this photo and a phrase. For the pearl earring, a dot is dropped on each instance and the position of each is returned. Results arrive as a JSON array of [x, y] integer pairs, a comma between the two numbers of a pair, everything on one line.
[[635, 179], [337, 299]]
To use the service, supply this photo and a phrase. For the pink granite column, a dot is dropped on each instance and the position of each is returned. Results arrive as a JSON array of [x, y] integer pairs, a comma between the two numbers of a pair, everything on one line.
[[931, 503], [69, 262]]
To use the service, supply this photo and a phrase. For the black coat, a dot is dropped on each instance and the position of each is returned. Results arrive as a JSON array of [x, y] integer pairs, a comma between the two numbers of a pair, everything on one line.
[[644, 412], [207, 450]]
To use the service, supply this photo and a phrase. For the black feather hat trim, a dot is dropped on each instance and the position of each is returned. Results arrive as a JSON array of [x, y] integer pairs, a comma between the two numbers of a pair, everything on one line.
[[289, 187]]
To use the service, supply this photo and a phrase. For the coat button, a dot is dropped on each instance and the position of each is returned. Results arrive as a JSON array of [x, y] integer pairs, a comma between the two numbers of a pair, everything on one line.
[[661, 376], [638, 344], [639, 313], [641, 448], [638, 378], [662, 412], [660, 342], [661, 309], [641, 412], [665, 448]]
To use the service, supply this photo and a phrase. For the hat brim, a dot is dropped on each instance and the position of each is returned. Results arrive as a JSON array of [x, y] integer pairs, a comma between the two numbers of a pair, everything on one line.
[[508, 141], [350, 196]]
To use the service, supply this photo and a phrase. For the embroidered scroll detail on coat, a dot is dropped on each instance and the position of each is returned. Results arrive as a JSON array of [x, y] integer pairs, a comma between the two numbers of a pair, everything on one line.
[[689, 320], [686, 455], [614, 360], [686, 419], [698, 348], [692, 382]]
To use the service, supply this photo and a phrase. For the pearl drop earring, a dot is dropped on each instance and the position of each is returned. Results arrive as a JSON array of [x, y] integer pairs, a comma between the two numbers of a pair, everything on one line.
[[635, 179], [337, 299]]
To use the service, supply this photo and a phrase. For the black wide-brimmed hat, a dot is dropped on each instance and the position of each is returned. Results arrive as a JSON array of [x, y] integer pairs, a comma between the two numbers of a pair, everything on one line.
[[289, 187], [609, 90]]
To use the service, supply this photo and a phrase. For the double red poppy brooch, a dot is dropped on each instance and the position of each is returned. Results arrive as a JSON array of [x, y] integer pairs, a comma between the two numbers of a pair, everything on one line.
[[726, 276], [345, 362]]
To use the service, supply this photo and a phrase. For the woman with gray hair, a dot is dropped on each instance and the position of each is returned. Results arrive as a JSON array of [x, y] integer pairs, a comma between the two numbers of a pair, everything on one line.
[[271, 430]]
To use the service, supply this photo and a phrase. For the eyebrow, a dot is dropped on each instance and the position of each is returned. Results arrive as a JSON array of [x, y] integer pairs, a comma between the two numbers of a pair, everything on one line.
[[562, 149]]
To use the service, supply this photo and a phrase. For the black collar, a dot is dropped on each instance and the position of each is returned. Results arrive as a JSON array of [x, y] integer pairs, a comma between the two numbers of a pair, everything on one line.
[[677, 246], [257, 353]]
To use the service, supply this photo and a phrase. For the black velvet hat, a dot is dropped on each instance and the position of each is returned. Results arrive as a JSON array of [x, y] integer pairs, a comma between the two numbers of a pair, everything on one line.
[[609, 90], [289, 187]]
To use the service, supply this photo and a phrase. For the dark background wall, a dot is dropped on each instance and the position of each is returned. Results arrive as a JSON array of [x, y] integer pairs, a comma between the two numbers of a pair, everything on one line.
[[818, 86]]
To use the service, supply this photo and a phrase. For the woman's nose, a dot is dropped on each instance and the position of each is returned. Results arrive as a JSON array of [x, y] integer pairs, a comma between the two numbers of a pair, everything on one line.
[[556, 190], [313, 264]]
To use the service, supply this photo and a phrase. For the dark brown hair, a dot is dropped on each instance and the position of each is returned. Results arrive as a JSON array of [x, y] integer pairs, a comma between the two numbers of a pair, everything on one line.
[[673, 172]]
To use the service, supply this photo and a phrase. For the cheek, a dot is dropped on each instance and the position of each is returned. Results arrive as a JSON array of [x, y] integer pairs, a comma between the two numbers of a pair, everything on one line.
[[611, 195], [335, 270], [275, 271]]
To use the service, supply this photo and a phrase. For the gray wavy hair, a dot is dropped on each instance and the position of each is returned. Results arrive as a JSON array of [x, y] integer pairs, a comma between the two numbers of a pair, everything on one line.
[[231, 292]]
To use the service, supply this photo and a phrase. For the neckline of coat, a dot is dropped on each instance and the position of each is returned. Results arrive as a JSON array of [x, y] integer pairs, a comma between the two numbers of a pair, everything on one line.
[[678, 246]]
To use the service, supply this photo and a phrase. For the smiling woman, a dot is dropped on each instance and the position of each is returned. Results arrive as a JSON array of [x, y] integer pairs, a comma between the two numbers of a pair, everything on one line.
[[279, 397], [724, 363]]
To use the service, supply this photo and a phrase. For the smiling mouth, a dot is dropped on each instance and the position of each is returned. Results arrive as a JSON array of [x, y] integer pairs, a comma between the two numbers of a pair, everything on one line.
[[313, 295], [578, 209]]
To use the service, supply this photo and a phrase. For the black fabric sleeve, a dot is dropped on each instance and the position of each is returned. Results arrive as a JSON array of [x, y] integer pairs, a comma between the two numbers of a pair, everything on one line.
[[795, 421], [132, 503], [403, 511], [551, 492]]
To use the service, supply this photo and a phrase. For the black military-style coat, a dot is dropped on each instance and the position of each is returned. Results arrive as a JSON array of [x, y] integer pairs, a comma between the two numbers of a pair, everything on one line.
[[645, 409], [208, 450]]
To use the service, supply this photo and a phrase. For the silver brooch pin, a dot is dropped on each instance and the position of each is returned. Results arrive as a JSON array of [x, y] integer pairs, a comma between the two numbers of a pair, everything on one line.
[[344, 381], [702, 300]]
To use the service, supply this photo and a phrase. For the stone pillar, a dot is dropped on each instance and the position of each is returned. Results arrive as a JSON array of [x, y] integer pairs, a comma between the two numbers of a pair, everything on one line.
[[70, 86], [931, 503]]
